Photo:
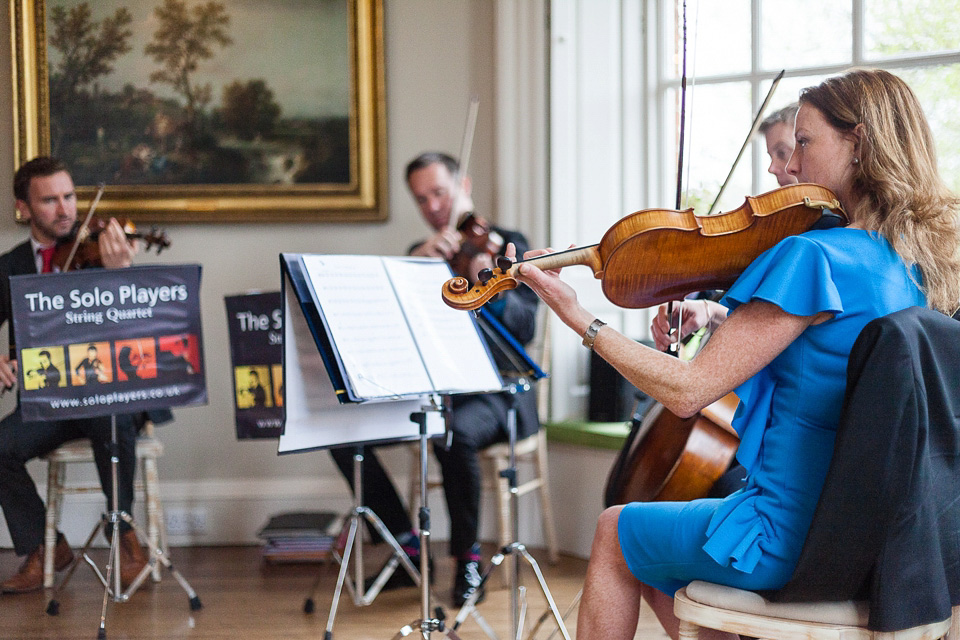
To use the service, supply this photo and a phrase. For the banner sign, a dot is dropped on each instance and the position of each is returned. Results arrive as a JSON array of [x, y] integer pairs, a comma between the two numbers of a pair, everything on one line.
[[103, 341], [256, 350]]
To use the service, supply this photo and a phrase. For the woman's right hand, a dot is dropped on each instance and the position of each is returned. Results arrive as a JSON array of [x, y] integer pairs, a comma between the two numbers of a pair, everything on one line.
[[696, 314]]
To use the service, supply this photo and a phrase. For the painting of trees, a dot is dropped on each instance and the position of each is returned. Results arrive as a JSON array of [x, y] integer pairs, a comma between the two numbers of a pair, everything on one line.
[[249, 110], [184, 38], [88, 49]]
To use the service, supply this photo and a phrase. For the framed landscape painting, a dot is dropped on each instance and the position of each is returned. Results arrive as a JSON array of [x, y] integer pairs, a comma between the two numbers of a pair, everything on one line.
[[205, 110]]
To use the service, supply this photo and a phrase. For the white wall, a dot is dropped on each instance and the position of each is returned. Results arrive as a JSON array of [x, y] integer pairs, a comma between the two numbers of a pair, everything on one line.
[[438, 53]]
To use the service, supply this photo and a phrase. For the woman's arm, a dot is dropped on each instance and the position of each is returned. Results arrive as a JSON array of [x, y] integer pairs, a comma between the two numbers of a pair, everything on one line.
[[742, 345]]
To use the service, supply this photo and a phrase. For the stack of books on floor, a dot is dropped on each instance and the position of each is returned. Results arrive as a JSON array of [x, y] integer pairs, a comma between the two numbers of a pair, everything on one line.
[[302, 536]]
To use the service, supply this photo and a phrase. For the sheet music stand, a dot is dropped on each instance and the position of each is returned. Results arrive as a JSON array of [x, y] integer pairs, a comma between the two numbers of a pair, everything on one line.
[[328, 336], [110, 578]]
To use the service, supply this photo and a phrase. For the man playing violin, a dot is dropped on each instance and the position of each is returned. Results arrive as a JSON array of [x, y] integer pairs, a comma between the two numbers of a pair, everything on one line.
[[46, 199], [476, 421], [783, 337]]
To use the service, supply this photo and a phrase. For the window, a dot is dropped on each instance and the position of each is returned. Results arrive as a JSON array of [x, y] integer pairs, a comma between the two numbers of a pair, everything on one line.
[[736, 47]]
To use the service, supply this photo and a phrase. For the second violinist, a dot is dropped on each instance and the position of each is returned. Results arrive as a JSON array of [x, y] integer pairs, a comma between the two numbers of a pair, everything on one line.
[[475, 421]]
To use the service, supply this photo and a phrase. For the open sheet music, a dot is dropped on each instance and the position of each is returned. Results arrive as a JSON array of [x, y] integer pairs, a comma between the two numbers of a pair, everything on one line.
[[383, 330]]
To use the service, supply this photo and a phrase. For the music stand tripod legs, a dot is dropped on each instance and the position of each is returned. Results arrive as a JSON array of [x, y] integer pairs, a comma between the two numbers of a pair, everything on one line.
[[110, 578], [426, 624], [515, 549], [354, 537]]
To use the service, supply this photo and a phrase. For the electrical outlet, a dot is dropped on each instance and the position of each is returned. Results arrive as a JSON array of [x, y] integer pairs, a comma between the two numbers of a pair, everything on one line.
[[186, 521]]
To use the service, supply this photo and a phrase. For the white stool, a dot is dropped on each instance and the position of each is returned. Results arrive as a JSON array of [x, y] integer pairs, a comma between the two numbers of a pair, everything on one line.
[[149, 448], [711, 606]]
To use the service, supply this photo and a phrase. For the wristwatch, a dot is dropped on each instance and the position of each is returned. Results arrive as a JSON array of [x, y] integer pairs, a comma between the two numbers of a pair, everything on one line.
[[591, 333]]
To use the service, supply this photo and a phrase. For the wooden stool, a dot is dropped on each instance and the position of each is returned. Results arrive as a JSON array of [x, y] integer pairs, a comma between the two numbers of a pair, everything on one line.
[[496, 458], [704, 605], [149, 448]]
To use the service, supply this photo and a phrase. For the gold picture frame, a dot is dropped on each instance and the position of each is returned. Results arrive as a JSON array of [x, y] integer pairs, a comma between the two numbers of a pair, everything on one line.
[[357, 194]]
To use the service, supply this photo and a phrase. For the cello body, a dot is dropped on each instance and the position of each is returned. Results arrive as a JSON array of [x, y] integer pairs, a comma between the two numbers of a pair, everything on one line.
[[668, 458]]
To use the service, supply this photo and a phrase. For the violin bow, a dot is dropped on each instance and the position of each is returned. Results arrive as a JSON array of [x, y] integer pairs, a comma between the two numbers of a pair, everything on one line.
[[86, 223], [674, 348], [683, 107], [466, 145], [753, 129]]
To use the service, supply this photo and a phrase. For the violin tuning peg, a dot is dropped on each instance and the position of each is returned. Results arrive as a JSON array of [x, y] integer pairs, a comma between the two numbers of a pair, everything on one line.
[[484, 276], [504, 263]]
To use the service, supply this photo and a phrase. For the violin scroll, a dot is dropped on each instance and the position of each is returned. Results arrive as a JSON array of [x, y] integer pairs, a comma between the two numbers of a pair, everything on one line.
[[458, 294]]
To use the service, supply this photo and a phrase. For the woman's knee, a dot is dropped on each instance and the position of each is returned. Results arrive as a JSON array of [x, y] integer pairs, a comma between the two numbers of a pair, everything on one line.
[[605, 538]]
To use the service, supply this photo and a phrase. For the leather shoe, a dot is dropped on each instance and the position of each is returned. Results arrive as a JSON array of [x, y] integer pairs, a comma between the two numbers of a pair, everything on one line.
[[62, 553], [132, 558], [30, 575], [466, 581]]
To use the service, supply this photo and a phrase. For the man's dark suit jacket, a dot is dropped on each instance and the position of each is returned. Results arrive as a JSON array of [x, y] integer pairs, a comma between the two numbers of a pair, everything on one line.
[[887, 526], [19, 261]]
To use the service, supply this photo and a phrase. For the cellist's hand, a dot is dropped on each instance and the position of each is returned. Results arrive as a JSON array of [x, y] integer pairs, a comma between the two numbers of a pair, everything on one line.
[[696, 314], [554, 292]]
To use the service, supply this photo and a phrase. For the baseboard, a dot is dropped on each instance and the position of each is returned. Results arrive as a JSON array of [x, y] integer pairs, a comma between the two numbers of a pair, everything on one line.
[[231, 512]]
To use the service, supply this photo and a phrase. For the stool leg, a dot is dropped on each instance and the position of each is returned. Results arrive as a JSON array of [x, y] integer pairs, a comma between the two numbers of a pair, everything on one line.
[[151, 490], [689, 631], [504, 521], [54, 481], [546, 505]]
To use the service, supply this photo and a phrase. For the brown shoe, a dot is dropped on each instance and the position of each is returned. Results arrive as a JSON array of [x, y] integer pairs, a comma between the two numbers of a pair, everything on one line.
[[29, 577], [62, 553], [132, 558]]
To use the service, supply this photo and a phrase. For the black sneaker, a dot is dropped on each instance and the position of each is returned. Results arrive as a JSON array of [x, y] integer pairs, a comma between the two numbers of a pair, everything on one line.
[[466, 581]]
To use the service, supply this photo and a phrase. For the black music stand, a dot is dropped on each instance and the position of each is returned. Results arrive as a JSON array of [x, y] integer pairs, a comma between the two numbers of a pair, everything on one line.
[[170, 316], [516, 550], [336, 308], [110, 577]]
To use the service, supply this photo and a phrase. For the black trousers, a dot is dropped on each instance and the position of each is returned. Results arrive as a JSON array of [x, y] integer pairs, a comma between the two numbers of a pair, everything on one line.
[[22, 441]]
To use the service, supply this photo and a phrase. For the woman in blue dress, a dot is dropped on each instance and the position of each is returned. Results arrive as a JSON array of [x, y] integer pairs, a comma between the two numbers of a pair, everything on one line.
[[793, 317]]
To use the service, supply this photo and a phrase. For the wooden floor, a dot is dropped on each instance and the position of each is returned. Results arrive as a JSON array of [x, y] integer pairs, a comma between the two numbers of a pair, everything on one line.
[[245, 599]]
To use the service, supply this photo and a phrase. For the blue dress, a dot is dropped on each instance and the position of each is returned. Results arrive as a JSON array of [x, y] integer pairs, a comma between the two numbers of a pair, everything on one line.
[[787, 418]]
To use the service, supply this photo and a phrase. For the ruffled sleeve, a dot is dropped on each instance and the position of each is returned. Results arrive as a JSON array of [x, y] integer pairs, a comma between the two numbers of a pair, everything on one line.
[[795, 275]]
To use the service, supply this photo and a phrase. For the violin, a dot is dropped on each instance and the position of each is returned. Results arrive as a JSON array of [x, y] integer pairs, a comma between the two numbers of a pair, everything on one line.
[[656, 255], [478, 237], [81, 249]]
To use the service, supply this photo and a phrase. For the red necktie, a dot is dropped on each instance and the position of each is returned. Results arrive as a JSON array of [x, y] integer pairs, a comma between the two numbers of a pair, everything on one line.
[[46, 254]]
